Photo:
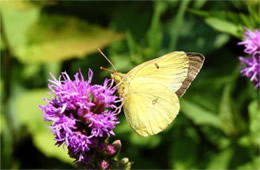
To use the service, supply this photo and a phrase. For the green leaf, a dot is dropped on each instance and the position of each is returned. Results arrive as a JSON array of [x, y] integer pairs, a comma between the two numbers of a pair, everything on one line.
[[254, 14], [132, 44], [122, 62], [30, 70], [245, 141], [183, 154], [2, 123], [147, 142], [254, 164], [45, 142], [221, 160], [16, 24], [154, 34], [225, 111], [6, 143], [123, 127], [22, 5], [53, 67], [32, 118], [220, 40], [2, 44], [199, 115], [254, 126], [223, 26], [16, 4], [205, 101], [233, 17], [57, 38], [199, 4], [44, 38], [199, 12], [230, 22], [177, 24]]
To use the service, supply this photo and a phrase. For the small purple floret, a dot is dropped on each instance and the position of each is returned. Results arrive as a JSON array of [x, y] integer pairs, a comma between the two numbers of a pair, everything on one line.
[[82, 115], [251, 41], [251, 68]]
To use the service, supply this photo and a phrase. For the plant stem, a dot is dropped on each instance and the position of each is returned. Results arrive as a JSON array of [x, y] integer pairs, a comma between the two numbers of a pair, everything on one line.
[[177, 24]]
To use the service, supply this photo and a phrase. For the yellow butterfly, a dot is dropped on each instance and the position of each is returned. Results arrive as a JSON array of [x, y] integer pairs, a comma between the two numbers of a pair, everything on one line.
[[151, 91]]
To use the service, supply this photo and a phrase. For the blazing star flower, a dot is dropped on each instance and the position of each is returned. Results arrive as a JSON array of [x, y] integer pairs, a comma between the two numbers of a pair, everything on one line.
[[252, 68], [251, 64], [83, 116], [251, 41]]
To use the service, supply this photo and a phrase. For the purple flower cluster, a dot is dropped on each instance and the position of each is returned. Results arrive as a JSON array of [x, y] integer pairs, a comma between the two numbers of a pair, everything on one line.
[[251, 64], [82, 116]]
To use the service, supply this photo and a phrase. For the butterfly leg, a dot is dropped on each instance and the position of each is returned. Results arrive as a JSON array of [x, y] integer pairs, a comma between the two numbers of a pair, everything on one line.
[[118, 109]]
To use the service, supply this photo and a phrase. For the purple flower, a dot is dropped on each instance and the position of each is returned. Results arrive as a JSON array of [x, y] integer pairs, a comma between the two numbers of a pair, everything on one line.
[[82, 115], [251, 68], [251, 41]]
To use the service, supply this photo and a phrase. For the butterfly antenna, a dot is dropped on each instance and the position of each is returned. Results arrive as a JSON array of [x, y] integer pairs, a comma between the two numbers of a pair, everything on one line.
[[106, 69], [107, 60]]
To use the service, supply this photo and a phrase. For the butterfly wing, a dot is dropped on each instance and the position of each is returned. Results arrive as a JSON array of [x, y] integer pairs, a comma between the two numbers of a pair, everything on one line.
[[152, 89], [170, 70], [196, 61], [150, 107]]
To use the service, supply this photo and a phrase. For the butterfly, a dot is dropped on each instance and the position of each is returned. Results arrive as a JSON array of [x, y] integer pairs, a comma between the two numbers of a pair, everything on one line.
[[150, 92]]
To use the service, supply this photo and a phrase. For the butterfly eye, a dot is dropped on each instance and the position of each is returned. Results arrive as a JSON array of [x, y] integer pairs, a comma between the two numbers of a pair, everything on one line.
[[116, 77]]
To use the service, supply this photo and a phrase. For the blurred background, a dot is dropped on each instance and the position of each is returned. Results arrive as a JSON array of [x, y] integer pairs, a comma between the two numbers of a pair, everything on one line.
[[218, 125]]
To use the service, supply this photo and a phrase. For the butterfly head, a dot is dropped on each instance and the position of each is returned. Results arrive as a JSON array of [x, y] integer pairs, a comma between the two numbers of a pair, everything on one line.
[[121, 83], [118, 77]]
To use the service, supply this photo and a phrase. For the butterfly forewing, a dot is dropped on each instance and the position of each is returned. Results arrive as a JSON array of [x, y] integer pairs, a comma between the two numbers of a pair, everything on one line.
[[170, 70], [196, 61]]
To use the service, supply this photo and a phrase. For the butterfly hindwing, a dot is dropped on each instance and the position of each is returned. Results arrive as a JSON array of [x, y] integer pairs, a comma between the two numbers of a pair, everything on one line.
[[150, 107]]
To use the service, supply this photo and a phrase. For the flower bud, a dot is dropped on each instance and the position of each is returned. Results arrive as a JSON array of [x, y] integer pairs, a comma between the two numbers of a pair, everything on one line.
[[117, 145], [104, 165], [110, 150]]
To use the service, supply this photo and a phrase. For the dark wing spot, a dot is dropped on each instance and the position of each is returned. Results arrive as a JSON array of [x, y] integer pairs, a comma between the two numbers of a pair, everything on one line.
[[156, 65], [154, 101]]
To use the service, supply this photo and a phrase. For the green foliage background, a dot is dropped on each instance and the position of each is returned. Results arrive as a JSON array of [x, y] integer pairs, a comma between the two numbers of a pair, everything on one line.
[[218, 126]]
